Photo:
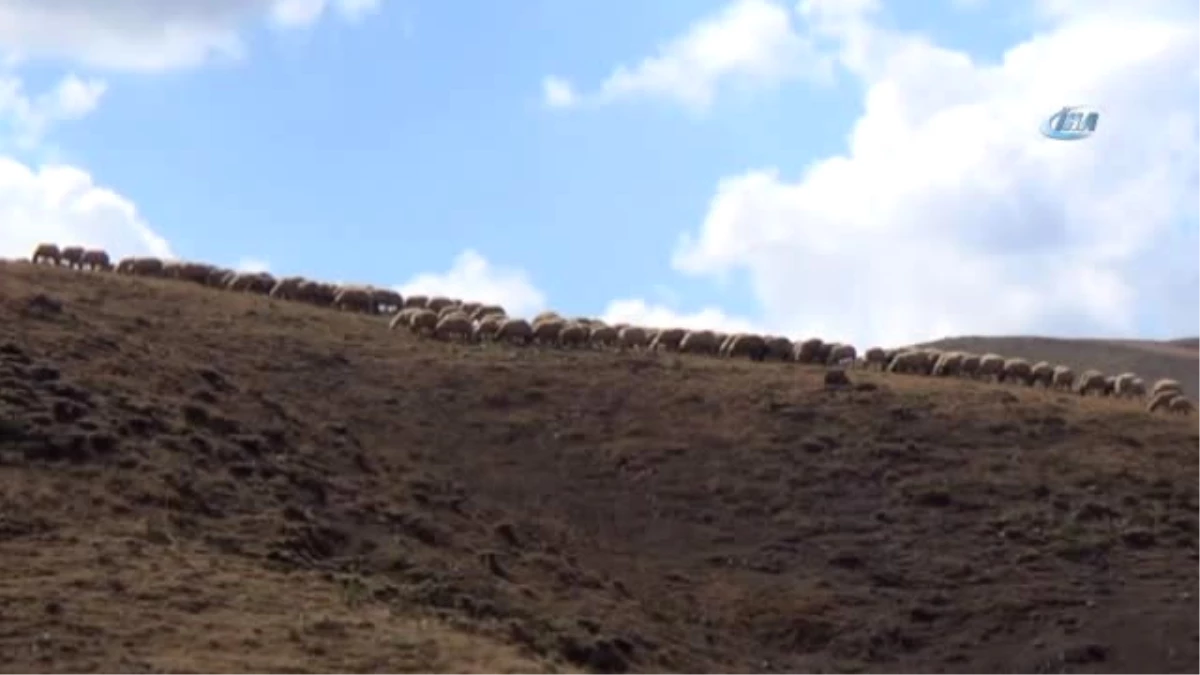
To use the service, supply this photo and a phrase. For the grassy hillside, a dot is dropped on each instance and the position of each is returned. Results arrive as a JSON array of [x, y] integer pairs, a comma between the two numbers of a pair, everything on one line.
[[198, 480]]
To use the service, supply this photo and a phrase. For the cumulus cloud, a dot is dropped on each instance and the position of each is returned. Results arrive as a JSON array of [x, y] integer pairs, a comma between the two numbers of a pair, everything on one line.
[[558, 93], [749, 42], [641, 313], [472, 277], [948, 213], [252, 265], [63, 205], [149, 35], [28, 118]]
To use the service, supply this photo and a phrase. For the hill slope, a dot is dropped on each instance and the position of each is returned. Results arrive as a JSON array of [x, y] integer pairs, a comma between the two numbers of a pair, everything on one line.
[[200, 480], [1152, 360]]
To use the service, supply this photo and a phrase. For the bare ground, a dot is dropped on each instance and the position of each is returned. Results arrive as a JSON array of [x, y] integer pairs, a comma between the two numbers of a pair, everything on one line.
[[193, 480]]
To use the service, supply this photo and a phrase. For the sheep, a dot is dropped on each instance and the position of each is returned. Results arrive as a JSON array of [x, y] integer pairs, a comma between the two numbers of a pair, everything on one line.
[[197, 273], [949, 363], [875, 357], [668, 339], [386, 301], [402, 318], [422, 321], [841, 352], [1180, 405], [218, 277], [970, 365], [95, 259], [515, 330], [486, 328], [808, 350], [991, 366], [447, 310], [145, 267], [546, 316], [251, 282], [1166, 384], [355, 298], [1136, 388], [1090, 381], [573, 334], [632, 337], [699, 342], [1110, 384], [546, 331], [469, 308], [1041, 373], [45, 252], [455, 325], [287, 288], [438, 302], [71, 255], [1062, 378], [1017, 370], [488, 310], [779, 348], [911, 361], [602, 336], [1122, 385], [752, 346], [416, 302]]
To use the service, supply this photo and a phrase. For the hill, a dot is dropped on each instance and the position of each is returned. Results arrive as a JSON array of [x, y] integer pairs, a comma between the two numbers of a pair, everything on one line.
[[201, 480], [1178, 359]]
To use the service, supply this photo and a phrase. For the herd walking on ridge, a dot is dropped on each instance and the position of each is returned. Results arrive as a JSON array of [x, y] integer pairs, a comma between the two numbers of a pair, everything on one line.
[[452, 319]]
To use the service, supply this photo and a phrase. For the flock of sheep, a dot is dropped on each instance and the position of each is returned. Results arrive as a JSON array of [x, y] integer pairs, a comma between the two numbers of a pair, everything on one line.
[[451, 319]]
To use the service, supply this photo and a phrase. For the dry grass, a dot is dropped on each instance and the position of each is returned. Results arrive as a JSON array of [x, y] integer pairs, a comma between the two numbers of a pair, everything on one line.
[[194, 480]]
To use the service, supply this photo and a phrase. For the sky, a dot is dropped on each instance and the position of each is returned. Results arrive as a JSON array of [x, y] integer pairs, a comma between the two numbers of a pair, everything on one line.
[[848, 169]]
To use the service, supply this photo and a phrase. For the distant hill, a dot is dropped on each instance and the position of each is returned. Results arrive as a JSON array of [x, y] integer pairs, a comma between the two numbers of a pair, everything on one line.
[[1150, 359]]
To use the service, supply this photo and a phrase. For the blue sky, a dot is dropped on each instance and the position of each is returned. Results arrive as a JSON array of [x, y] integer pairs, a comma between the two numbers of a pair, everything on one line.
[[382, 147]]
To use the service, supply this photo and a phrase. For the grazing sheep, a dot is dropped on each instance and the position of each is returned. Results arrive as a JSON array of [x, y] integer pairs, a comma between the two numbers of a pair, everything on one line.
[[1090, 381], [699, 342], [436, 303], [1122, 385], [386, 300], [469, 308], [779, 348], [251, 282], [1063, 378], [633, 337], [911, 362], [144, 267], [949, 363], [546, 331], [841, 353], [1110, 385], [1017, 370], [876, 358], [970, 365], [356, 298], [1179, 405], [808, 351], [573, 334], [1041, 373], [455, 325], [423, 321], [603, 336], [287, 288], [416, 302], [95, 259], [1166, 384], [546, 316], [486, 328], [447, 310], [402, 318], [516, 331], [46, 253], [991, 366], [1137, 388], [752, 346], [72, 255], [488, 310], [668, 339]]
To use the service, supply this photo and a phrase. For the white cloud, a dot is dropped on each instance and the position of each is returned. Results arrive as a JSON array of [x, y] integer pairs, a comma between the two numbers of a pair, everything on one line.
[[252, 265], [472, 278], [558, 93], [63, 205], [747, 42], [640, 313], [149, 35], [28, 118], [949, 213]]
